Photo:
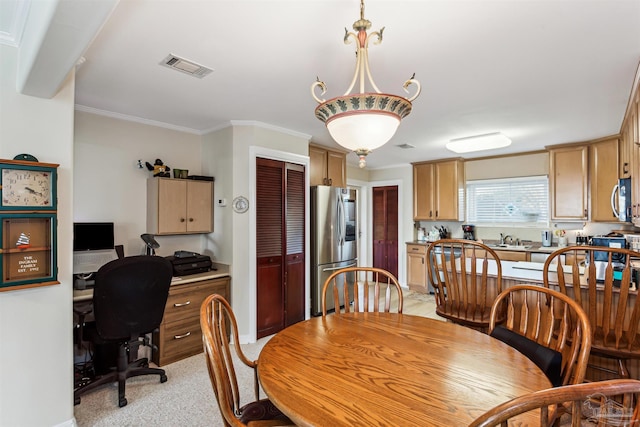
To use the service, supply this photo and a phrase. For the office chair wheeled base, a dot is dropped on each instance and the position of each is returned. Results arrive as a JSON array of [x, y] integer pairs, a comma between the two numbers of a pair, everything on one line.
[[125, 370]]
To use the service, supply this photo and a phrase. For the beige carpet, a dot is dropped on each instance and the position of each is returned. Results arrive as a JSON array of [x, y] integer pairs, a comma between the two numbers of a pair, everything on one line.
[[187, 398]]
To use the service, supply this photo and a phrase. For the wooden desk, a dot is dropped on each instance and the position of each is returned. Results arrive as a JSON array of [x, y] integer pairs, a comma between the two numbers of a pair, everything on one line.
[[390, 369]]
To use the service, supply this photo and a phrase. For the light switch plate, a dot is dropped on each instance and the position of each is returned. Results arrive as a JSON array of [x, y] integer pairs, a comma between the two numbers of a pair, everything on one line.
[[222, 202]]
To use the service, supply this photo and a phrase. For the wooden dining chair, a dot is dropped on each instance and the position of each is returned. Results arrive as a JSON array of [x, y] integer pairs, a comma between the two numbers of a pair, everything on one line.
[[467, 277], [548, 327], [607, 295], [371, 289], [217, 321], [603, 403]]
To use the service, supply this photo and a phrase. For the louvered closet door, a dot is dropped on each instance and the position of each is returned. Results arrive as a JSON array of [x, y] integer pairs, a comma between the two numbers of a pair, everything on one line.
[[280, 240], [294, 267], [269, 246], [385, 228]]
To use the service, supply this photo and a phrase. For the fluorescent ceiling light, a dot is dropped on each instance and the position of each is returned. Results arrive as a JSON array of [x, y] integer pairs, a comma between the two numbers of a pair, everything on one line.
[[487, 141]]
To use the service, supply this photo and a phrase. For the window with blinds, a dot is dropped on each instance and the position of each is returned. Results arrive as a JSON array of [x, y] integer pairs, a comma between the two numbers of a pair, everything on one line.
[[509, 200]]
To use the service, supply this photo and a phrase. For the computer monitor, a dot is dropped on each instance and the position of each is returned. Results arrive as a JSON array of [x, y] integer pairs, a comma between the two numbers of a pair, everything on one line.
[[93, 236], [93, 246]]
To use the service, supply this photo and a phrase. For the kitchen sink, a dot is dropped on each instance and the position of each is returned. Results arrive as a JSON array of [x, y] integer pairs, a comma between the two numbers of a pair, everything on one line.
[[511, 247]]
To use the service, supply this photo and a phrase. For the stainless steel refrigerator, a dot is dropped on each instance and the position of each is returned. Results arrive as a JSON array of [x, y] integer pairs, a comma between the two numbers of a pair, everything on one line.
[[334, 239]]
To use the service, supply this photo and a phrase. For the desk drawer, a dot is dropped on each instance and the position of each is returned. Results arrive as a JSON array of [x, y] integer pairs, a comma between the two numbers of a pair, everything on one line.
[[185, 300], [180, 339]]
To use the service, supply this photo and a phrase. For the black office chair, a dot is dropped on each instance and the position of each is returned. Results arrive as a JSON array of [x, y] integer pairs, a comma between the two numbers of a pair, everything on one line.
[[128, 302]]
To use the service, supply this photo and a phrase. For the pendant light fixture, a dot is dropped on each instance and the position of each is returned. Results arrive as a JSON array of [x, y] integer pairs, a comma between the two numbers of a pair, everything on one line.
[[364, 121]]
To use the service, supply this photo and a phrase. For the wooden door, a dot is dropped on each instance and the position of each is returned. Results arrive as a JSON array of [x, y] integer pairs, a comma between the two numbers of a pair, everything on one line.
[[423, 186], [603, 176], [294, 263], [280, 198], [336, 169], [199, 203], [269, 246], [568, 174], [317, 166], [172, 194], [446, 203], [385, 228]]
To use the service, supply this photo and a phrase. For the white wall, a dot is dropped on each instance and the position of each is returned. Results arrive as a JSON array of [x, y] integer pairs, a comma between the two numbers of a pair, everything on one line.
[[108, 185], [36, 371]]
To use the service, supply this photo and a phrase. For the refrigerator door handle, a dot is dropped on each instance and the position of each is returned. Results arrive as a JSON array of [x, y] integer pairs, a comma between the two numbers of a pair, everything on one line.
[[340, 268], [341, 227]]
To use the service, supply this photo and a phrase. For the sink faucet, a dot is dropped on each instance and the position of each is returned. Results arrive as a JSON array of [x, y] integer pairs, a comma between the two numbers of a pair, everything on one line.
[[503, 238]]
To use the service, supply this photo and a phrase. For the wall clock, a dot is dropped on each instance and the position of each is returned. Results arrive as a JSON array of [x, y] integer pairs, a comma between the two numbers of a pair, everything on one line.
[[28, 224], [240, 204], [27, 185]]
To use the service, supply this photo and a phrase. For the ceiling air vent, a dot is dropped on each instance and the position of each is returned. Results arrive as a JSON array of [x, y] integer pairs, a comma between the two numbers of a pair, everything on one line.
[[405, 146], [186, 66]]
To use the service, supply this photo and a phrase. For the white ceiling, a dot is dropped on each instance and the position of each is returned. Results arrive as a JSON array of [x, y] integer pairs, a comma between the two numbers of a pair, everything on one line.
[[542, 72]]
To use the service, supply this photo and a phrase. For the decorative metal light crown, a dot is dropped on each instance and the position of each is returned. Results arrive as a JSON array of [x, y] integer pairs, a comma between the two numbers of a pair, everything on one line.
[[364, 121]]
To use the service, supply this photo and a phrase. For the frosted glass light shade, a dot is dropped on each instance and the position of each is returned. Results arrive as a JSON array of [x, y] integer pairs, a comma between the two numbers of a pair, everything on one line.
[[487, 141], [363, 121], [366, 130]]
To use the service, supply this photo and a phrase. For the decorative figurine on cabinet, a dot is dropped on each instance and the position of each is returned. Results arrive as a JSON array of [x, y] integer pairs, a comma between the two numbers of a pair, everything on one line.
[[159, 169]]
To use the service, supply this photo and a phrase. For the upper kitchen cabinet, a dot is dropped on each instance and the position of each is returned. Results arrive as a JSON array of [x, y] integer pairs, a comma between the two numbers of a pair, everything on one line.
[[438, 191], [603, 176], [568, 182], [581, 179], [179, 206], [327, 167]]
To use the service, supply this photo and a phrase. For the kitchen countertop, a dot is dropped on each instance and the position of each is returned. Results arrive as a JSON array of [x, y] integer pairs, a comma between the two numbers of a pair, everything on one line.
[[222, 271], [535, 247]]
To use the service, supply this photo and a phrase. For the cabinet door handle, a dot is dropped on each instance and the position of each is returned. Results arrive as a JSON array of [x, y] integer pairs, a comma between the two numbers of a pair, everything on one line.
[[178, 337], [436, 214], [585, 213], [415, 249], [422, 259], [430, 214], [181, 304], [190, 219], [182, 219]]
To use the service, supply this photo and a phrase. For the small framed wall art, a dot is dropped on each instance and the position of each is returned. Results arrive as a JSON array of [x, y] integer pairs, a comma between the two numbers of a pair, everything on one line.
[[28, 224]]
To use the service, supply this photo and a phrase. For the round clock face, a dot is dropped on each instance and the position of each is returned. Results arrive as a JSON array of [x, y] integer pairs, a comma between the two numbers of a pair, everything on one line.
[[21, 187], [240, 204]]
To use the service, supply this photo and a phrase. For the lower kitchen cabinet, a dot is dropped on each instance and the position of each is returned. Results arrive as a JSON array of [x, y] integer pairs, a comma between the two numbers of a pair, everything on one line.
[[179, 335], [417, 268]]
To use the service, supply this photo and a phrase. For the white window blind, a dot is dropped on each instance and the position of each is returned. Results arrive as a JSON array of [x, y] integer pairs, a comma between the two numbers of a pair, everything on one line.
[[508, 200]]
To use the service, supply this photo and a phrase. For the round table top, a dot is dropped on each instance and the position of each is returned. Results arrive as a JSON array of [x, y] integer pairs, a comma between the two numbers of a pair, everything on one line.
[[390, 369]]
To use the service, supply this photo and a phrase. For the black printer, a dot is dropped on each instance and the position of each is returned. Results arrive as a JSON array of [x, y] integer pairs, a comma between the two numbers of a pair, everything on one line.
[[185, 263]]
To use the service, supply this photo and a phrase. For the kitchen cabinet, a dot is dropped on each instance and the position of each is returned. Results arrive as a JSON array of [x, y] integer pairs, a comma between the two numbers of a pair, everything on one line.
[[417, 267], [179, 206], [568, 182], [327, 167], [438, 191], [179, 335], [581, 178], [603, 176]]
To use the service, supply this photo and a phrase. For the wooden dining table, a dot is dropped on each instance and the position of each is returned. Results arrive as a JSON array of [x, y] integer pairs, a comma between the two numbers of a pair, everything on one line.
[[384, 369]]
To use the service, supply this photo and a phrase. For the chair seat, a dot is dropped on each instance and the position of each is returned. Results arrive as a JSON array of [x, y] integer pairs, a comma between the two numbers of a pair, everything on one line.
[[622, 351], [262, 410], [465, 317]]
